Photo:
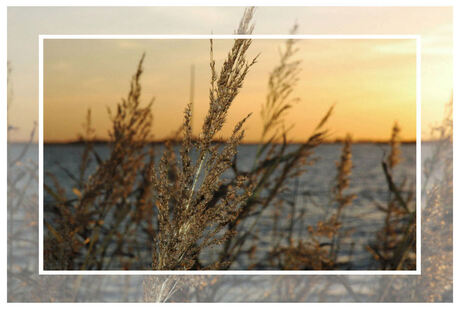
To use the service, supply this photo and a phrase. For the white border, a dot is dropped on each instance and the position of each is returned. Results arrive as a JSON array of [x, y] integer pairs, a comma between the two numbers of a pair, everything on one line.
[[417, 271]]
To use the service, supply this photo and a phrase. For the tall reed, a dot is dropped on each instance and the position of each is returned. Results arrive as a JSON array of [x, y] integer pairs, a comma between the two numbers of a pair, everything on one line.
[[190, 217], [394, 247]]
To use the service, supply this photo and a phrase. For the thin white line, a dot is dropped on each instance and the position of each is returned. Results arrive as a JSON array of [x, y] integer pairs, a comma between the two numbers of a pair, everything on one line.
[[40, 154], [224, 36], [418, 152], [230, 272]]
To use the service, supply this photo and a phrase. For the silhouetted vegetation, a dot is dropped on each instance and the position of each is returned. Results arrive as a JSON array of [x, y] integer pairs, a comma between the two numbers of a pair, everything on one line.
[[139, 209]]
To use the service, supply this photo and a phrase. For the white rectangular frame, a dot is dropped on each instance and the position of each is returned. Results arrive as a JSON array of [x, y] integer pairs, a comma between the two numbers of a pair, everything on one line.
[[417, 271]]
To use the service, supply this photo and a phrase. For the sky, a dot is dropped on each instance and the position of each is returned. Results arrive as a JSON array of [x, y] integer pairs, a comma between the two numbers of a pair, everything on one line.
[[370, 82]]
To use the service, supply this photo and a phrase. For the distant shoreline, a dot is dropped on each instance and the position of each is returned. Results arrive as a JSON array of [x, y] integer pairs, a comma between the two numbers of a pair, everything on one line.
[[104, 142]]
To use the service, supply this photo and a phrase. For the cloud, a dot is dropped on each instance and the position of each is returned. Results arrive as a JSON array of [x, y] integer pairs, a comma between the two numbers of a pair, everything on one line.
[[436, 42]]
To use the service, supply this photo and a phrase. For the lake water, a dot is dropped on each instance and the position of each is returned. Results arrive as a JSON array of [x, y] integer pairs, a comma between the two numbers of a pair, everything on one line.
[[361, 219]]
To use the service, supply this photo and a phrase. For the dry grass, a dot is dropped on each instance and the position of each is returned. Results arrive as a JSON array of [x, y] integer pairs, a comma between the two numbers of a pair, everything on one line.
[[394, 247], [181, 205], [110, 202], [319, 250], [190, 217]]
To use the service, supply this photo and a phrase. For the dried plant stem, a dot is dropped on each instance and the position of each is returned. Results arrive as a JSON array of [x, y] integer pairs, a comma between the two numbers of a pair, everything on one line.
[[195, 180]]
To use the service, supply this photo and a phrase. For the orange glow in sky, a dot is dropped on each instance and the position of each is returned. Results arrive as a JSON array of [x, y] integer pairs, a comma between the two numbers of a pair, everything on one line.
[[371, 82]]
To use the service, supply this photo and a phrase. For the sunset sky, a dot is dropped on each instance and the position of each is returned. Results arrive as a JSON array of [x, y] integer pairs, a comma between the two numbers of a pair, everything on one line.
[[371, 82]]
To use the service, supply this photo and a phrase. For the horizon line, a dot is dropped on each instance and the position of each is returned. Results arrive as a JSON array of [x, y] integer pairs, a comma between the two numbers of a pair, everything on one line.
[[162, 141]]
